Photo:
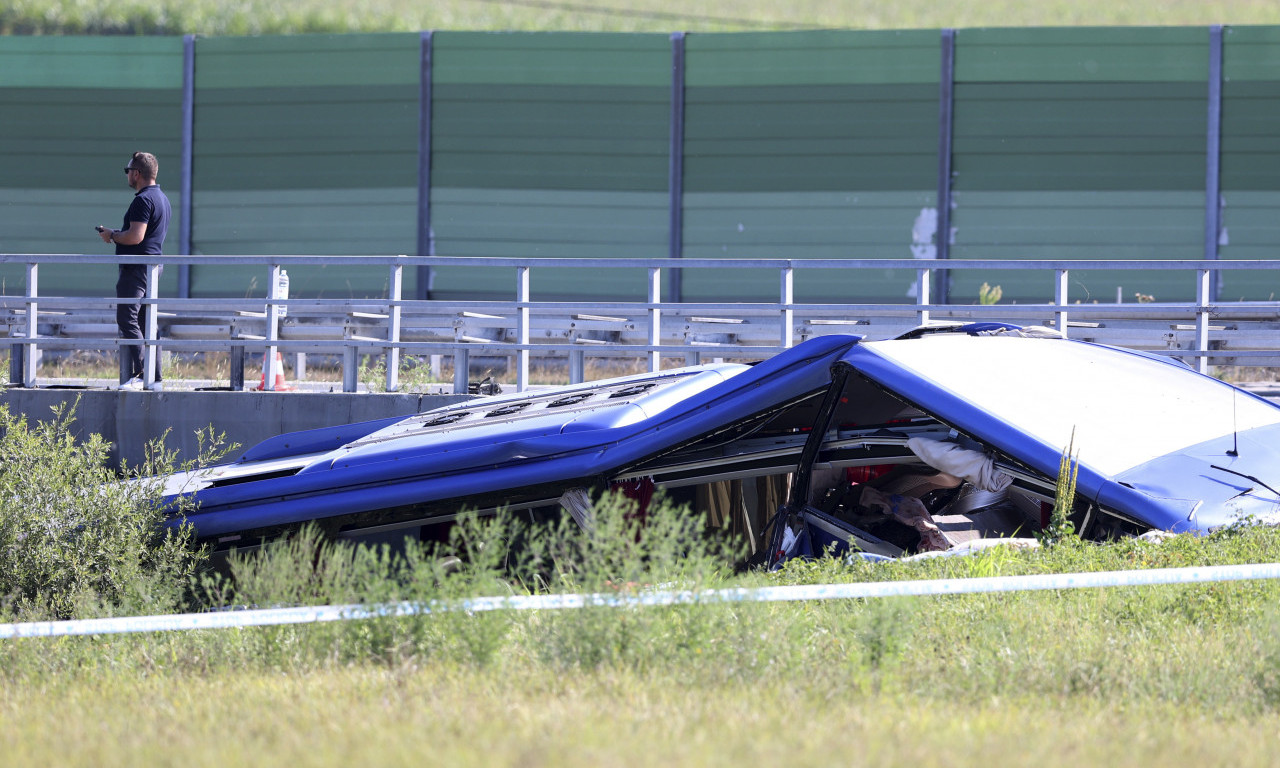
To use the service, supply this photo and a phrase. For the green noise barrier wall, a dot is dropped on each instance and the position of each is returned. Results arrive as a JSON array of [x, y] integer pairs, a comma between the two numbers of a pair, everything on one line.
[[1073, 144], [305, 145], [1079, 144], [549, 145], [808, 145], [72, 113]]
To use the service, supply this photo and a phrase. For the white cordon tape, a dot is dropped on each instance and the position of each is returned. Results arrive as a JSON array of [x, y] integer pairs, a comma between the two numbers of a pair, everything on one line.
[[308, 615]]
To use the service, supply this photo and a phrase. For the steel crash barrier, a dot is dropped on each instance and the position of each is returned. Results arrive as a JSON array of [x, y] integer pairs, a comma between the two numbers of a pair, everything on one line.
[[864, 590], [1202, 331]]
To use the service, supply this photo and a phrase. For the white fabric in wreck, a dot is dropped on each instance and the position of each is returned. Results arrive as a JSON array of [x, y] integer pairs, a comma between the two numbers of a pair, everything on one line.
[[976, 467]]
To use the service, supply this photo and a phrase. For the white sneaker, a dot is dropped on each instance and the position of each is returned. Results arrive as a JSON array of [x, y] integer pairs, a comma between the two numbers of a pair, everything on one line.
[[134, 384], [156, 386]]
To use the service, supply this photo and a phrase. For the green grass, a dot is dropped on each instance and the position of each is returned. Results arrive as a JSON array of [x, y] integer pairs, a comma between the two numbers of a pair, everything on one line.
[[171, 17], [446, 716], [1115, 676]]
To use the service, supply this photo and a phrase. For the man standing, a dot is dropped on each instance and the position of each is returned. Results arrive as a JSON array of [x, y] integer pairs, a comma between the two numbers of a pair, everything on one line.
[[145, 225]]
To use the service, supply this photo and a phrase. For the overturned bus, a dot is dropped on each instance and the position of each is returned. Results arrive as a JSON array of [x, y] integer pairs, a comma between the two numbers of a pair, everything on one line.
[[939, 440]]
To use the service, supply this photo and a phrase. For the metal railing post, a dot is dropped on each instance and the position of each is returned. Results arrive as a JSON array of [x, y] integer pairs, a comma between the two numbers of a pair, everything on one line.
[[151, 320], [1204, 286], [923, 278], [786, 336], [30, 355], [350, 368], [16, 356], [1060, 301], [395, 291], [273, 332], [655, 318], [461, 370], [236, 374], [522, 328]]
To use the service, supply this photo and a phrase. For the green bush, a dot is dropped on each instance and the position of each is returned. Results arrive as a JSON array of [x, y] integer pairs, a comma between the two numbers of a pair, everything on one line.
[[75, 539]]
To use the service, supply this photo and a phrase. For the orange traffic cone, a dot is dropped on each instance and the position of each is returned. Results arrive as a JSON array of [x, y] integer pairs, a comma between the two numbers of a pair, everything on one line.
[[281, 384]]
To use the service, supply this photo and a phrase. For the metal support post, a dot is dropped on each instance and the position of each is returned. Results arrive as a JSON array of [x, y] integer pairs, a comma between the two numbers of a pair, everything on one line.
[[30, 355], [1213, 160], [1060, 301], [237, 368], [787, 332], [675, 166], [188, 150], [16, 357], [522, 328], [461, 370], [923, 278], [273, 332], [946, 110], [1204, 286], [350, 368], [393, 328], [151, 319], [655, 318], [426, 243]]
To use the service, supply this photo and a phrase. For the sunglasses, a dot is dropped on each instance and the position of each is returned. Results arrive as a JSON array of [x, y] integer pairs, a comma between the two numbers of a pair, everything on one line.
[[126, 170]]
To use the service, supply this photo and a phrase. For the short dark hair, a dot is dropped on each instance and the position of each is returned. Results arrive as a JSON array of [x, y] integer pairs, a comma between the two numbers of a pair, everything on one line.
[[146, 164]]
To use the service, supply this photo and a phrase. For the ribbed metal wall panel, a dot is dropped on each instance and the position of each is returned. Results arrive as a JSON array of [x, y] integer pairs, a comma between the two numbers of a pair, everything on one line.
[[72, 112], [305, 144], [549, 144], [808, 145], [1079, 143]]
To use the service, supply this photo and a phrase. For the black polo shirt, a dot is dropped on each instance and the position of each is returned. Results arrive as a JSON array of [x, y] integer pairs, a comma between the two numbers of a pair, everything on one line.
[[149, 205]]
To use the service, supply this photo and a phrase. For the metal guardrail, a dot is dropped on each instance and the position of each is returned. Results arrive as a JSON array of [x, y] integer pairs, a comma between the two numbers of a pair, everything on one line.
[[1233, 333]]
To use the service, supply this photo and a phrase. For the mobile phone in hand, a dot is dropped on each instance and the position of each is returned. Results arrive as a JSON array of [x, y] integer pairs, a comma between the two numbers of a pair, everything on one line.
[[100, 228]]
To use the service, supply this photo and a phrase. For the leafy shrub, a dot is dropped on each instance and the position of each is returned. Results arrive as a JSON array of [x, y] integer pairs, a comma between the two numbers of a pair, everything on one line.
[[75, 539]]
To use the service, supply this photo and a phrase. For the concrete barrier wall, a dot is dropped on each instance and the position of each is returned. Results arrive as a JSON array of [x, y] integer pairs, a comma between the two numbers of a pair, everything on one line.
[[129, 420]]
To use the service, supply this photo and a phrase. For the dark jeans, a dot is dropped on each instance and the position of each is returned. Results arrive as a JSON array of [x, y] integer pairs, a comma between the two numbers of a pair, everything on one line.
[[131, 319]]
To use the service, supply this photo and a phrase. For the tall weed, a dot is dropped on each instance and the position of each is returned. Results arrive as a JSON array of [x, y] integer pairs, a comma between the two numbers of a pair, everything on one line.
[[624, 553], [1060, 528], [628, 548]]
